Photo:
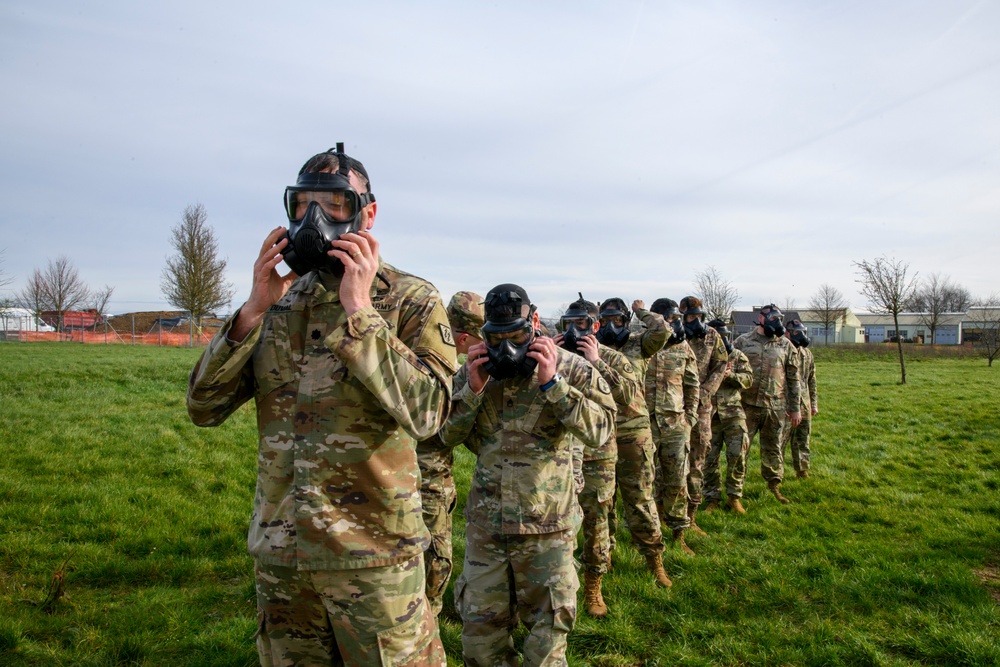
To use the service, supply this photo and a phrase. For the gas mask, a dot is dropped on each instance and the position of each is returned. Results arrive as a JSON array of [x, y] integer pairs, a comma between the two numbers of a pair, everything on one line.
[[772, 323], [696, 329], [723, 331], [575, 324], [507, 349], [799, 339], [320, 208], [613, 334], [677, 332]]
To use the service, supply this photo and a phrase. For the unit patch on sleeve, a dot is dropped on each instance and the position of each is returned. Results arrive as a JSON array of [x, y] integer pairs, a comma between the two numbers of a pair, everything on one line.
[[446, 334]]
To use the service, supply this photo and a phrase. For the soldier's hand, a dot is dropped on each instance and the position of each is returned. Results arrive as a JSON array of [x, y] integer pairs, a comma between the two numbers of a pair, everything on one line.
[[638, 304], [268, 285], [588, 345], [815, 411], [478, 377], [543, 350], [359, 254], [795, 418]]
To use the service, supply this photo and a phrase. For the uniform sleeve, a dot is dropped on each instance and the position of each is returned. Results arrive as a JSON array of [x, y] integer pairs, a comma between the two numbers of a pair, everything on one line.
[[656, 334], [222, 380], [716, 370], [692, 386], [583, 403], [813, 398], [409, 374], [465, 404], [741, 373], [793, 393], [617, 370]]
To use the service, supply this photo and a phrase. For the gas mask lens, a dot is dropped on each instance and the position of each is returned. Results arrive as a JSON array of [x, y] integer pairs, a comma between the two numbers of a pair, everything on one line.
[[339, 205], [613, 320], [517, 337], [582, 324]]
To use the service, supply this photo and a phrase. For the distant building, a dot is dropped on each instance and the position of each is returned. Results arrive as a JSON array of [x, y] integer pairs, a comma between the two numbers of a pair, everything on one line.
[[21, 319], [913, 328]]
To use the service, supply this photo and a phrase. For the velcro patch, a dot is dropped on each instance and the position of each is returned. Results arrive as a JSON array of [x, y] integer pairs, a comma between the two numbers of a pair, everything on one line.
[[446, 334], [603, 385]]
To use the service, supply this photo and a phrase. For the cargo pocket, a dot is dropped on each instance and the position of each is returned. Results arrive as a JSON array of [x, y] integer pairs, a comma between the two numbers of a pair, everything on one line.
[[563, 609], [460, 597], [414, 643]]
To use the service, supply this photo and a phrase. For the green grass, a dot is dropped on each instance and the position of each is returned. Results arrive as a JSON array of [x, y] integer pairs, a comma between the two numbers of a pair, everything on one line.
[[889, 555]]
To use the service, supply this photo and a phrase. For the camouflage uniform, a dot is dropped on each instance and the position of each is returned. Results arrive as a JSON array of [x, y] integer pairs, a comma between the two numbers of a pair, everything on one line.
[[729, 429], [437, 485], [635, 471], [711, 354], [340, 403], [672, 390], [599, 463], [522, 513], [798, 436], [774, 391]]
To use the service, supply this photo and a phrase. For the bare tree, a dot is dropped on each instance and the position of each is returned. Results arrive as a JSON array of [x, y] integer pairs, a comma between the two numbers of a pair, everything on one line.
[[829, 306], [888, 289], [718, 295], [788, 305], [32, 295], [58, 288], [4, 278], [194, 278], [936, 296], [99, 299], [985, 319]]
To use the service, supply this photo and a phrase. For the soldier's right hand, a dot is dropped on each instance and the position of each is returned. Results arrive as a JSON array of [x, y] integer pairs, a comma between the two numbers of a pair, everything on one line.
[[474, 363], [268, 285], [638, 304]]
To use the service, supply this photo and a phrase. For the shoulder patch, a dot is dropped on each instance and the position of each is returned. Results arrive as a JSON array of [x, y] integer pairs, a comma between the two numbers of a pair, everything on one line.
[[627, 367], [603, 385], [446, 335]]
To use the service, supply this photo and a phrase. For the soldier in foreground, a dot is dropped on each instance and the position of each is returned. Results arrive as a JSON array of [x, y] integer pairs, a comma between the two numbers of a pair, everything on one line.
[[345, 360], [772, 400], [729, 429], [635, 471], [798, 436], [710, 351], [672, 394], [437, 484], [519, 402]]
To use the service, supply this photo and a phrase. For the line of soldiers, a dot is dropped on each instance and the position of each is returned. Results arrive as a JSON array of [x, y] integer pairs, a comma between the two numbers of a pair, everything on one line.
[[560, 425]]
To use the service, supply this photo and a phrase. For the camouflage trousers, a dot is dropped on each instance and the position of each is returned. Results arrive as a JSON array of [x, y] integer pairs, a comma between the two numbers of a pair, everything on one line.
[[370, 616], [506, 578], [729, 433], [701, 442], [596, 501], [672, 435], [438, 560], [635, 473], [798, 438], [770, 424]]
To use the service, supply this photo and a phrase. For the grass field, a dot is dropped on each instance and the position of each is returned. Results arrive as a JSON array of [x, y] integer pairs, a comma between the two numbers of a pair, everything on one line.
[[889, 555]]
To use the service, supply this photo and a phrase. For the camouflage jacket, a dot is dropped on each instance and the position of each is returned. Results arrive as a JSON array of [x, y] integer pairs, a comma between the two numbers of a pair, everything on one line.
[[672, 384], [523, 441], [775, 371], [639, 349], [617, 370], [340, 403], [727, 400], [711, 354], [437, 480], [807, 378]]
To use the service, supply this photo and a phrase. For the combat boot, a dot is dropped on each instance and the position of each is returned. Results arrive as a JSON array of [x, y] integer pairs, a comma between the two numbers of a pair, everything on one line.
[[713, 504], [678, 539], [775, 488], [802, 474], [593, 600], [655, 564], [692, 513], [735, 505]]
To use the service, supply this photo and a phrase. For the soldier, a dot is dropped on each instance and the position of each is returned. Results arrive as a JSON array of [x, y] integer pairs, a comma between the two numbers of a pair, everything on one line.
[[348, 364], [519, 402], [809, 405], [672, 394], [729, 429], [437, 485], [773, 398], [635, 470], [710, 351]]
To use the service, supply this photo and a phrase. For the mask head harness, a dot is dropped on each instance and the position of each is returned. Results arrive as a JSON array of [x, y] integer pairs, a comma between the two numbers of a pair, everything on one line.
[[576, 323], [668, 309], [320, 207], [797, 333], [613, 333], [691, 305], [770, 321], [723, 331], [508, 332]]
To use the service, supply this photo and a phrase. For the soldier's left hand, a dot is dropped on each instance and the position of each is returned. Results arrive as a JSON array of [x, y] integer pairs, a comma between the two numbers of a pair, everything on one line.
[[795, 418], [543, 350], [638, 304], [588, 345], [815, 411], [359, 254]]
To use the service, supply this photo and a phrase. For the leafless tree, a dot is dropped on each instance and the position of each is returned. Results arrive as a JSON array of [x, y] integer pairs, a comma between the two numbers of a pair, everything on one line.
[[829, 306], [985, 319], [718, 295], [788, 305], [936, 296], [194, 278], [4, 278], [888, 289], [57, 288], [32, 295], [99, 299]]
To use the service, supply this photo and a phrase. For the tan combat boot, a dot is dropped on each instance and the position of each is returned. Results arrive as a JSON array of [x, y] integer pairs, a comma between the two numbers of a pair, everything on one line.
[[775, 488], [679, 540], [713, 504], [735, 505], [802, 474], [593, 600], [692, 513], [655, 564]]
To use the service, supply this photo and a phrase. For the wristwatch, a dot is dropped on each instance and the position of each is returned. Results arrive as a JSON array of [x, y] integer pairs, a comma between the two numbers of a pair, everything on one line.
[[548, 385]]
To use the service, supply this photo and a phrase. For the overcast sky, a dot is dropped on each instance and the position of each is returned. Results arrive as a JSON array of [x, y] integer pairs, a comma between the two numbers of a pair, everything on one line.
[[596, 147]]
